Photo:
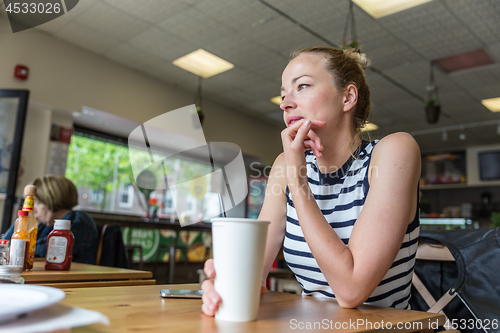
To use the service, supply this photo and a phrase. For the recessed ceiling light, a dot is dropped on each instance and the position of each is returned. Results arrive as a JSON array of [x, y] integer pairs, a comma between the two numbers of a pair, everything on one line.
[[276, 100], [493, 104], [379, 8], [369, 127], [203, 63]]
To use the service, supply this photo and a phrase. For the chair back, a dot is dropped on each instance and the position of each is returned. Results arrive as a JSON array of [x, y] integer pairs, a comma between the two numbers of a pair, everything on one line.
[[110, 250]]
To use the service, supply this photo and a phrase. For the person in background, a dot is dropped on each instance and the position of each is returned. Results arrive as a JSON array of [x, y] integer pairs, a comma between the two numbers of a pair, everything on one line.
[[345, 209], [56, 196]]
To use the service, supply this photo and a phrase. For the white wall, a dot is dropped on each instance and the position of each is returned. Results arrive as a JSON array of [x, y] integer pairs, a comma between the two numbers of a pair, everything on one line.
[[67, 77]]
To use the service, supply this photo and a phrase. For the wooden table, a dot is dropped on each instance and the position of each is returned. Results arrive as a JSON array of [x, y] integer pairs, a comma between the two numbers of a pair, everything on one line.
[[85, 275], [141, 309]]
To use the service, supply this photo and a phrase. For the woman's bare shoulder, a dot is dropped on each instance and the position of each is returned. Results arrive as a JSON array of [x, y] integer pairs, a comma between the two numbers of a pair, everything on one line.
[[397, 145]]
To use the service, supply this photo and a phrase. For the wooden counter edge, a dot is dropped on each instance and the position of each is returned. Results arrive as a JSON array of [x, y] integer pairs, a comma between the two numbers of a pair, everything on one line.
[[92, 284]]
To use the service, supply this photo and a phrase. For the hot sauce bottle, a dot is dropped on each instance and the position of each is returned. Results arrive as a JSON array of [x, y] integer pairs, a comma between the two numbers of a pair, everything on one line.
[[20, 241], [60, 246], [30, 192]]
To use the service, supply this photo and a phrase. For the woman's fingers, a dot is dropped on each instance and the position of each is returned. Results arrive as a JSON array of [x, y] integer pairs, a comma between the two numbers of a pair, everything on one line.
[[311, 145], [293, 130], [210, 298], [302, 131], [209, 268], [316, 139], [317, 123]]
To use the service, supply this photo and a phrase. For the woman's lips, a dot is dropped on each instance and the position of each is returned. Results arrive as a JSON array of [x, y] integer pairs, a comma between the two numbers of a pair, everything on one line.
[[290, 120]]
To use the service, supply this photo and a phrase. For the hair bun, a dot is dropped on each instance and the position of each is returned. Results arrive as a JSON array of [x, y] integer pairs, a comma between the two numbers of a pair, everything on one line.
[[361, 58]]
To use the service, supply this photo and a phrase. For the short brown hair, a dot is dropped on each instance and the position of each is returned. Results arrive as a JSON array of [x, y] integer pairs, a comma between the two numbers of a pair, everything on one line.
[[347, 67], [56, 192]]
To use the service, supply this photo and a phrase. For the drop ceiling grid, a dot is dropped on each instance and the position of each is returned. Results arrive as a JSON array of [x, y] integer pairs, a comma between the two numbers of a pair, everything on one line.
[[131, 56], [195, 27], [383, 95], [112, 21], [492, 91], [458, 101], [239, 50], [56, 25], [92, 40], [162, 43], [263, 91], [395, 44], [152, 11], [279, 35], [234, 79], [477, 79], [483, 21], [239, 15], [494, 51], [383, 58], [324, 17], [237, 97], [415, 77], [173, 75]]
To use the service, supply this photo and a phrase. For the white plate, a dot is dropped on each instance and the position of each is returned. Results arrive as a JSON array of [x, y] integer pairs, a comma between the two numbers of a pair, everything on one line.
[[18, 299]]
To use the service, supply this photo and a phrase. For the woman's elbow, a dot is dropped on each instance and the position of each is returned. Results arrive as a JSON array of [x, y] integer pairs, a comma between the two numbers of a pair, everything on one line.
[[351, 299]]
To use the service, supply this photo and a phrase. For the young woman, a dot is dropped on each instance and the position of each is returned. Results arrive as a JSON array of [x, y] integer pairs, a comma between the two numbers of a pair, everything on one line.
[[346, 209], [55, 198]]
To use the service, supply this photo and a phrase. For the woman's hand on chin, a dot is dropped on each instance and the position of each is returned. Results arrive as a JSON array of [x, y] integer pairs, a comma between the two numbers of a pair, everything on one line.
[[299, 137]]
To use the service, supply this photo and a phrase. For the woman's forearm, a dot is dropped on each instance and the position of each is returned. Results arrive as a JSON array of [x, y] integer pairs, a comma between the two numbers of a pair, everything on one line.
[[332, 255]]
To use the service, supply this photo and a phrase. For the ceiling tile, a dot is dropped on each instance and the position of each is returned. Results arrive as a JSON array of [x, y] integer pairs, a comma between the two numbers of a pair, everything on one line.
[[89, 39], [114, 22], [57, 24], [152, 11], [163, 44], [195, 27]]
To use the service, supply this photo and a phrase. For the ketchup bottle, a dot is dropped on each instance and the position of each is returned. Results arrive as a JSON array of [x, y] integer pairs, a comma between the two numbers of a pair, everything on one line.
[[60, 246]]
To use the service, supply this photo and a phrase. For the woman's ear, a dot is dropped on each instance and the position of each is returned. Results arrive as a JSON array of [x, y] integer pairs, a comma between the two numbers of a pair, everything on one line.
[[350, 97]]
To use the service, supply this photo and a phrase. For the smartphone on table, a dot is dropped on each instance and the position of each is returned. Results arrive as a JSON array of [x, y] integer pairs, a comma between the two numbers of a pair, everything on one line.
[[173, 293]]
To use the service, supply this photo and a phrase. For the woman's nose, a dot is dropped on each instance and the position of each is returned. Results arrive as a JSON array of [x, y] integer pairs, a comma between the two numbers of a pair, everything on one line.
[[287, 103]]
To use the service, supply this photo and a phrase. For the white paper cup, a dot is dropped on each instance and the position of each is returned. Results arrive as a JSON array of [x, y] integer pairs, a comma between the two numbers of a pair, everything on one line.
[[238, 248]]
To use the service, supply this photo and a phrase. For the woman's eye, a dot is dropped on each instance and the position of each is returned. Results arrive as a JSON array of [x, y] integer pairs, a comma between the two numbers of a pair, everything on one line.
[[302, 86]]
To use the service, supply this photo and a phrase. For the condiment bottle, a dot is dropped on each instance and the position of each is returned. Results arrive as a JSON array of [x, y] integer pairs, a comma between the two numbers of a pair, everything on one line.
[[30, 192], [20, 241], [60, 246]]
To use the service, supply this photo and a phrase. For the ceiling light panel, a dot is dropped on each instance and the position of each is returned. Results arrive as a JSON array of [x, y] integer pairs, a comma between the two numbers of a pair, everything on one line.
[[369, 127], [379, 8], [276, 100], [493, 104], [203, 63]]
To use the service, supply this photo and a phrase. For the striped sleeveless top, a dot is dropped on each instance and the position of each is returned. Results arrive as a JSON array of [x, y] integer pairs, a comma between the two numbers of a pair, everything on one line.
[[341, 196]]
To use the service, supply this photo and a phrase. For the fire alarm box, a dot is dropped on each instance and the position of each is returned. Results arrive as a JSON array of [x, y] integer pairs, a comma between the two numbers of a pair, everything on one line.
[[21, 72]]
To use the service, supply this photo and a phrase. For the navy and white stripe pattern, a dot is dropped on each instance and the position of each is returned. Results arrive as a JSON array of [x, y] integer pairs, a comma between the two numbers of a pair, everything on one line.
[[341, 196]]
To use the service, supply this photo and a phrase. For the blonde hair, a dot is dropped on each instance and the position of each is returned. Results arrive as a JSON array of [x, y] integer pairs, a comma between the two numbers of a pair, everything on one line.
[[56, 192], [347, 67]]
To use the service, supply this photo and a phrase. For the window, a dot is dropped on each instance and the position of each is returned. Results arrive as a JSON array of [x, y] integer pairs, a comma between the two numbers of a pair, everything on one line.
[[126, 194], [99, 166], [96, 196]]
